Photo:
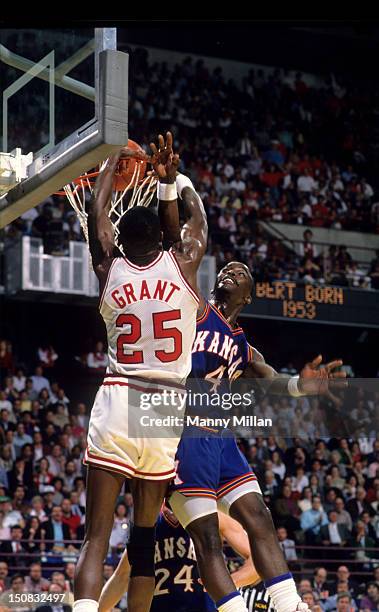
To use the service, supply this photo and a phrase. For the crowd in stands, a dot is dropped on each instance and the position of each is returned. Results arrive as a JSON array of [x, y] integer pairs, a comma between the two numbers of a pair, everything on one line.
[[323, 491], [273, 148]]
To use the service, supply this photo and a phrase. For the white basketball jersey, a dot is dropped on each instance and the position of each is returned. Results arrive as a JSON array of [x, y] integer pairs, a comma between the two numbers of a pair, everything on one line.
[[150, 316]]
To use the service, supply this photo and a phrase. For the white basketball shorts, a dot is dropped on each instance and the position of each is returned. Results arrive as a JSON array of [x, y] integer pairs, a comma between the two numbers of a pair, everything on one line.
[[134, 441]]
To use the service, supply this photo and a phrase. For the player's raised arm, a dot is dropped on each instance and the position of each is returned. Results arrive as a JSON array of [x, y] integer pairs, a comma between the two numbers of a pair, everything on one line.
[[165, 164], [194, 233], [100, 229], [195, 229]]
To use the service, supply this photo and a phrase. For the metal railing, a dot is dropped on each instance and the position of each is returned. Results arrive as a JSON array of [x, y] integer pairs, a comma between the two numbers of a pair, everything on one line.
[[29, 268], [303, 565]]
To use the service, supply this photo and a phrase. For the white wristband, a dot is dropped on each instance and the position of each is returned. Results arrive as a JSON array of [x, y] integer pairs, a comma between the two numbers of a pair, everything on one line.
[[167, 191], [293, 388], [183, 181]]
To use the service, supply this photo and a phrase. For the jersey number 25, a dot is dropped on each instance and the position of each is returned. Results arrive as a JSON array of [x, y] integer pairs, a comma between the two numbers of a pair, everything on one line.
[[160, 332]]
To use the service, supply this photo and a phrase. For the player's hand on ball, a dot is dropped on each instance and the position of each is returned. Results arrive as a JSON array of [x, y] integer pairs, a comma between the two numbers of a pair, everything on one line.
[[318, 379]]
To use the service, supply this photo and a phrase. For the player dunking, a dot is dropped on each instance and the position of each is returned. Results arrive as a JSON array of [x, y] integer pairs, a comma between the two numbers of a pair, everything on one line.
[[149, 309]]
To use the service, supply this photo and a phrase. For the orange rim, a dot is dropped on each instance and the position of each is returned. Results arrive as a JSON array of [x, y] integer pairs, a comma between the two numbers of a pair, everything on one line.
[[84, 179]]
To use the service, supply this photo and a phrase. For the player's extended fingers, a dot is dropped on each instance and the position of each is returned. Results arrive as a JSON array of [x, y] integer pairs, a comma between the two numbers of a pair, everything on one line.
[[153, 148], [161, 144], [338, 375], [315, 362], [169, 140], [332, 365]]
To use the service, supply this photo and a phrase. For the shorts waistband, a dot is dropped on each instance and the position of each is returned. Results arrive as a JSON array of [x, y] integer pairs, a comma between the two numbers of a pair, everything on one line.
[[113, 378]]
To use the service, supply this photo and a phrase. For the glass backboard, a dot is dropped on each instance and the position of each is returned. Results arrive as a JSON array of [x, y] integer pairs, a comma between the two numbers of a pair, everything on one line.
[[64, 98]]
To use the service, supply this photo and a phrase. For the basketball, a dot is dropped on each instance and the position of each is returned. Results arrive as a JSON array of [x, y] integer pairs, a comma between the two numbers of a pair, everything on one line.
[[127, 169]]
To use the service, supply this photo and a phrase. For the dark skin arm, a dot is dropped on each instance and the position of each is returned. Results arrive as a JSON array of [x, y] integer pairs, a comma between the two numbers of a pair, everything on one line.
[[167, 210], [313, 379], [194, 234], [100, 230]]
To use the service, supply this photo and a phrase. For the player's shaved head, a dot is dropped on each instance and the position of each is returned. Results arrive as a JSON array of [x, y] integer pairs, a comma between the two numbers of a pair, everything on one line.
[[140, 231], [236, 281]]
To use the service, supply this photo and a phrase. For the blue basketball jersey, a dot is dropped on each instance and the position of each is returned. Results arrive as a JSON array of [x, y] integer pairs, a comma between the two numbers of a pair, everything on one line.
[[177, 588], [219, 351], [209, 462]]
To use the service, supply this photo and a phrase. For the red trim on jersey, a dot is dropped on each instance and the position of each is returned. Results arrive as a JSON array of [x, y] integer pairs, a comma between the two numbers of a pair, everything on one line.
[[150, 265], [197, 492], [237, 331], [238, 484], [234, 330], [250, 352], [148, 381], [185, 281], [106, 283], [235, 482], [168, 519], [112, 383], [204, 315]]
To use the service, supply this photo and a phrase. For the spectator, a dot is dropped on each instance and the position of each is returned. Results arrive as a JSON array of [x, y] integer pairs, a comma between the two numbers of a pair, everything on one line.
[[39, 380], [287, 545], [320, 585], [69, 572], [14, 547], [44, 477], [343, 517], [312, 520], [362, 543], [120, 531], [17, 588], [21, 438], [55, 589], [331, 603], [98, 360], [343, 575], [305, 182], [32, 535], [5, 580], [34, 582], [370, 601], [278, 466], [357, 505], [37, 509], [344, 603], [287, 510], [19, 380], [307, 248], [70, 519], [6, 359], [56, 531], [334, 534]]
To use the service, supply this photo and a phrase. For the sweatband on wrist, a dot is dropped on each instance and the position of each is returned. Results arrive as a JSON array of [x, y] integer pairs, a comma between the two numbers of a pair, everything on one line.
[[167, 191], [293, 387], [183, 181]]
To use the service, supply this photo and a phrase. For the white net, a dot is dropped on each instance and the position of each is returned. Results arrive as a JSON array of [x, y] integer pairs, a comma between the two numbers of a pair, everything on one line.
[[139, 192]]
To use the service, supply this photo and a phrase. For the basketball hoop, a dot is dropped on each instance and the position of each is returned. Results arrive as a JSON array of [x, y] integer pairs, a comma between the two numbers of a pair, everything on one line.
[[132, 187]]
